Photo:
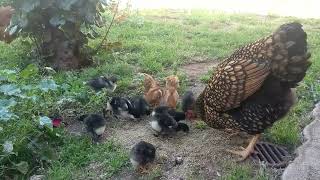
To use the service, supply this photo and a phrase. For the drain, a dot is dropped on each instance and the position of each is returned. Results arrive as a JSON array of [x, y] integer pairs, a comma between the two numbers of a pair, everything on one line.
[[272, 155]]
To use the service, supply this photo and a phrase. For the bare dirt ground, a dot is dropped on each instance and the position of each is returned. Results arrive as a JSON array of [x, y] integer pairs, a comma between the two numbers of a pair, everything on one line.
[[196, 70], [202, 149]]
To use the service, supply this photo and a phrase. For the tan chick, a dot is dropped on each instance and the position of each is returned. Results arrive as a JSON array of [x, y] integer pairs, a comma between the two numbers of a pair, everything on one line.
[[152, 90], [171, 95]]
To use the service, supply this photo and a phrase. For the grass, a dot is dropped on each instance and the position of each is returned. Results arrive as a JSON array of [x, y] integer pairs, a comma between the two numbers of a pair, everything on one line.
[[246, 172], [75, 159], [200, 125], [156, 42]]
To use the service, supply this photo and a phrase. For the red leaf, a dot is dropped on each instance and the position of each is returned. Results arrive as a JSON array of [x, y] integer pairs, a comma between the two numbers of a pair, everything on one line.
[[56, 122]]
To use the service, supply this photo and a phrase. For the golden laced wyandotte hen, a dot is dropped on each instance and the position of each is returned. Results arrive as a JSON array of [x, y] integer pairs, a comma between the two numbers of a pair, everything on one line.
[[251, 89]]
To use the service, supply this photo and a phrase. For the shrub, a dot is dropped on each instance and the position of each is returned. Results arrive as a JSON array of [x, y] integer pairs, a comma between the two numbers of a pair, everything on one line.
[[60, 29]]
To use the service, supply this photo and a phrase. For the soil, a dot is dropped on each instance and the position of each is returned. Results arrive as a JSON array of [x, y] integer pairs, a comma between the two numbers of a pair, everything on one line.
[[202, 151]]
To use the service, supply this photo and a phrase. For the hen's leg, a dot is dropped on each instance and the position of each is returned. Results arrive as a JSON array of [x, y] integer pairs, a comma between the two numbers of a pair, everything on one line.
[[245, 153], [232, 133]]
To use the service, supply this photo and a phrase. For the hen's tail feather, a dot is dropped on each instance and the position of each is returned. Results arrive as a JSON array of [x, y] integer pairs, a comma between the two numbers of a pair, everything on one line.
[[200, 106], [290, 54]]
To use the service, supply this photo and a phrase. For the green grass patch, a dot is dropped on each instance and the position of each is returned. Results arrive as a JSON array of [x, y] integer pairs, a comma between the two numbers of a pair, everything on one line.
[[79, 158], [200, 125], [245, 171]]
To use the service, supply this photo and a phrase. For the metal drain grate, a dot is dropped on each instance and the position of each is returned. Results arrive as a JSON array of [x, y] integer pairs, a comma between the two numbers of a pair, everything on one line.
[[272, 155]]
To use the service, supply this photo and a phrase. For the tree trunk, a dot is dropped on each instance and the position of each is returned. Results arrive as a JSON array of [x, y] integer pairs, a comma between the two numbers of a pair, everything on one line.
[[62, 53]]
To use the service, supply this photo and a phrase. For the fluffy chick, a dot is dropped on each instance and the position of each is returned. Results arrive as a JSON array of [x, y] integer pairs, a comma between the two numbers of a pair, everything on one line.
[[120, 107], [162, 122], [129, 108], [95, 124], [139, 108], [178, 116], [101, 82], [171, 95], [188, 103], [152, 90], [165, 124], [141, 155]]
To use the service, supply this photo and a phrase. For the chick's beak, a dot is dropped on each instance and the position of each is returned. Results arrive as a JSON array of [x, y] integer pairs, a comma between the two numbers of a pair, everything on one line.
[[190, 115]]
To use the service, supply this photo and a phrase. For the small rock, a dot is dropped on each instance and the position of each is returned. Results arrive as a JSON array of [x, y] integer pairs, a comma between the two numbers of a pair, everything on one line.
[[178, 160], [37, 177]]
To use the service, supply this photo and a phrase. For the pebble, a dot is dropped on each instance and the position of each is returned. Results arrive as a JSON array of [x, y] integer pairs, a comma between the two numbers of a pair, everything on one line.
[[178, 160]]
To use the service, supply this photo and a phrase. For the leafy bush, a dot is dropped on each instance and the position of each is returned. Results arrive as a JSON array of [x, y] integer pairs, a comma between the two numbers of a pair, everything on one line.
[[28, 100], [60, 29], [27, 136]]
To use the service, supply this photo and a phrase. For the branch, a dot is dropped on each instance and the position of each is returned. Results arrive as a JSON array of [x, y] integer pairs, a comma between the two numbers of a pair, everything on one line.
[[108, 30]]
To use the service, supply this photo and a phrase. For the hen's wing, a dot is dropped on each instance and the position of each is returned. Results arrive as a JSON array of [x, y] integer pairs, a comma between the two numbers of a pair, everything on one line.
[[235, 80]]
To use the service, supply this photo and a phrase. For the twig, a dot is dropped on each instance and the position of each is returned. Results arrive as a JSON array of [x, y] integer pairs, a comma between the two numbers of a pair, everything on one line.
[[108, 30]]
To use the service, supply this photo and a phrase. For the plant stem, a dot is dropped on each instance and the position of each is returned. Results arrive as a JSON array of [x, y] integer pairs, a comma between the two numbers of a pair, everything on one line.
[[108, 30]]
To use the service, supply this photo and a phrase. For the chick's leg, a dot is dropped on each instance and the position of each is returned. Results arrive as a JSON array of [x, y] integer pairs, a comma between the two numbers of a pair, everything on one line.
[[245, 153], [143, 169]]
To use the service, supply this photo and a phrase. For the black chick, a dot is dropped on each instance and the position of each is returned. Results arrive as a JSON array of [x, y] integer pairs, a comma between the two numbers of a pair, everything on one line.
[[182, 127], [188, 103], [129, 108], [101, 82], [95, 124], [178, 116], [141, 155], [163, 123], [120, 106], [139, 107]]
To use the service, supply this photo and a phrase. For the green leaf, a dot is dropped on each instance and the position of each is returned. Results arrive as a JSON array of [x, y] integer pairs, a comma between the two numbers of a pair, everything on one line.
[[57, 21], [30, 71], [22, 167], [8, 75], [13, 30], [30, 5], [48, 84], [44, 4], [104, 2], [6, 115], [10, 89], [7, 103], [66, 4], [90, 17], [45, 121]]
